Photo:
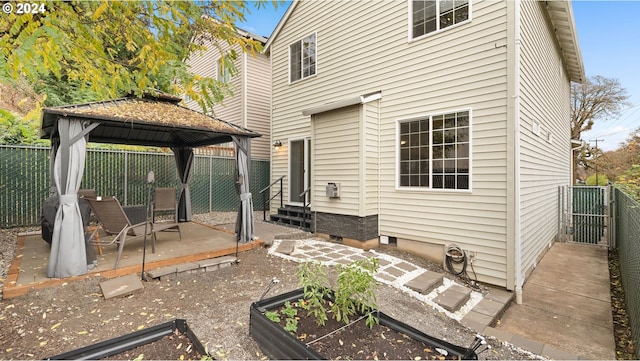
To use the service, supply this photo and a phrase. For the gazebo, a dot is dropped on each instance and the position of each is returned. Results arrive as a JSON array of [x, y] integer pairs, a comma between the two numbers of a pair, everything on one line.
[[149, 121]]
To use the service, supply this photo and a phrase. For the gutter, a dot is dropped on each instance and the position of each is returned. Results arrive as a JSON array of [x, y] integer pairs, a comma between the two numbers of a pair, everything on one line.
[[360, 99]]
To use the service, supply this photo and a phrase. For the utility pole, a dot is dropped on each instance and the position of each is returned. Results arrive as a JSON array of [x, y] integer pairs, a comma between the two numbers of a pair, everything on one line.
[[596, 140]]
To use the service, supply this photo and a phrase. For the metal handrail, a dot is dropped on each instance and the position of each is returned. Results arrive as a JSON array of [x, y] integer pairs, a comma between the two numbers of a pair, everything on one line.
[[305, 205], [264, 197]]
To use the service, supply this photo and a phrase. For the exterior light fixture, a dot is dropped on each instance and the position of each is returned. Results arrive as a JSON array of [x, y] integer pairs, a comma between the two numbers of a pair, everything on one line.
[[277, 144]]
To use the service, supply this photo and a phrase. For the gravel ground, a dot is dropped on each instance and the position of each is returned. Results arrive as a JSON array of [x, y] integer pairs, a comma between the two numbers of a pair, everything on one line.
[[216, 305]]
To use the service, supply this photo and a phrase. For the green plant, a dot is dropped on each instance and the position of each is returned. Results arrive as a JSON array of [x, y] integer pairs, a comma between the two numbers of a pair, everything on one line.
[[354, 291], [291, 322], [313, 279], [273, 316], [290, 312], [601, 179]]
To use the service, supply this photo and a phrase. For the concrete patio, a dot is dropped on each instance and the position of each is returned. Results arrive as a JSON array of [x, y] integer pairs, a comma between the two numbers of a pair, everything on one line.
[[199, 242]]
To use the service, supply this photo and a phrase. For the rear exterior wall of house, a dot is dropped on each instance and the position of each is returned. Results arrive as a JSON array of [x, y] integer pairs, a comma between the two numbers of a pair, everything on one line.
[[461, 70]]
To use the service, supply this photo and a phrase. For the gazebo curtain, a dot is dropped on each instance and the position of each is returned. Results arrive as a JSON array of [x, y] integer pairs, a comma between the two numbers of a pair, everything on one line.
[[68, 253], [244, 221], [184, 163]]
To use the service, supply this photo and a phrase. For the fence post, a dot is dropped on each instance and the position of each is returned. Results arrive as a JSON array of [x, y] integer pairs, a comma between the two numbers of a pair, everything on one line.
[[210, 183], [126, 166]]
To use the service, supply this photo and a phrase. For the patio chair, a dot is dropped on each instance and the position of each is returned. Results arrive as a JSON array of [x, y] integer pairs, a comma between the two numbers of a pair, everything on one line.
[[114, 220], [83, 194], [165, 200]]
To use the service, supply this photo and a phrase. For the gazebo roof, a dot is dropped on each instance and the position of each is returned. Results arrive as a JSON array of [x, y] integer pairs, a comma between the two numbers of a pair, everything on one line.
[[149, 121]]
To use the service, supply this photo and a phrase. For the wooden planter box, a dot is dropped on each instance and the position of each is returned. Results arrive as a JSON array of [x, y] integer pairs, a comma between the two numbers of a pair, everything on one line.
[[279, 344], [121, 344]]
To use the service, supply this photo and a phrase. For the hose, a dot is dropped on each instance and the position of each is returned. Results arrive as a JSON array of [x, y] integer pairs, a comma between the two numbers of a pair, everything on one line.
[[456, 256]]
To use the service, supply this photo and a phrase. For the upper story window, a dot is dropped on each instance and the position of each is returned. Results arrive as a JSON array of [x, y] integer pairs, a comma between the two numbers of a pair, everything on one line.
[[432, 15], [434, 152], [224, 75], [302, 58]]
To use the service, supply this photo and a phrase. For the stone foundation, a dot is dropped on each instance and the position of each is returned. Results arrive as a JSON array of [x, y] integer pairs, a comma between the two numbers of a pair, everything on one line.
[[362, 229]]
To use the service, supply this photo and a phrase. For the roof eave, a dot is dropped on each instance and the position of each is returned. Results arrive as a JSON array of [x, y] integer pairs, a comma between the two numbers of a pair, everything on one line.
[[564, 25], [280, 25]]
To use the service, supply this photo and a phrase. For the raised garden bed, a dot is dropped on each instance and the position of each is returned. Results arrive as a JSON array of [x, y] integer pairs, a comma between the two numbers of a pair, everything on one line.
[[391, 339], [138, 340]]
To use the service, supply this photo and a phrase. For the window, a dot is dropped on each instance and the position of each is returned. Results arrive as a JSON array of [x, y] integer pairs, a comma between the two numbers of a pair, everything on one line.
[[433, 15], [302, 58], [434, 152], [224, 75]]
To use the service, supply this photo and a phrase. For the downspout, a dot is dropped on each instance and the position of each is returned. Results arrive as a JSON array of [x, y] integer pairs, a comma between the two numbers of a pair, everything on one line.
[[517, 200], [245, 92]]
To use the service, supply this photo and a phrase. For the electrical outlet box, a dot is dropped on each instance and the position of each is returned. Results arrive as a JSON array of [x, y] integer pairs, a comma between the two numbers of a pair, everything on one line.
[[333, 190]]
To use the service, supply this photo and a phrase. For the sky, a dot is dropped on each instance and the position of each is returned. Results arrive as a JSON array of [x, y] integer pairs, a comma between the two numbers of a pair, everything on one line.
[[609, 40]]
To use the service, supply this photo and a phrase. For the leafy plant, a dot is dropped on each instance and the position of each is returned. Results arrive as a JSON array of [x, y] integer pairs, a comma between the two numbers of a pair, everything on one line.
[[291, 322], [313, 279], [354, 291], [273, 316]]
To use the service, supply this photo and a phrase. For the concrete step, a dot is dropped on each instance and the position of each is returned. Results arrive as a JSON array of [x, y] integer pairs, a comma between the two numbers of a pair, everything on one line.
[[488, 310], [425, 282], [453, 298]]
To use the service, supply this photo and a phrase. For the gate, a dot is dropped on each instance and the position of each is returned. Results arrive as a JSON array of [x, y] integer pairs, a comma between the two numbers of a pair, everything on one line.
[[584, 214]]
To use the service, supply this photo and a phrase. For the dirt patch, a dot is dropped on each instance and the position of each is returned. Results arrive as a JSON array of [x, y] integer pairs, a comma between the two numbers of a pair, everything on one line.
[[176, 346], [215, 304]]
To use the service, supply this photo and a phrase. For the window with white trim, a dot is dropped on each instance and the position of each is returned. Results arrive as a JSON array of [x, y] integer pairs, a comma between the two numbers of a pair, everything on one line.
[[434, 152], [428, 16], [302, 58]]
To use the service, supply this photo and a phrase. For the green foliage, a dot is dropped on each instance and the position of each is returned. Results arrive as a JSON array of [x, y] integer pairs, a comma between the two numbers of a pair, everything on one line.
[[313, 280], [602, 180], [18, 130], [630, 182], [291, 322], [355, 290], [273, 316], [290, 311], [110, 48]]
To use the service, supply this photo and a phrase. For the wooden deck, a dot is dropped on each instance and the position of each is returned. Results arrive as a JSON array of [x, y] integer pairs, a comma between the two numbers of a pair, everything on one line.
[[199, 241]]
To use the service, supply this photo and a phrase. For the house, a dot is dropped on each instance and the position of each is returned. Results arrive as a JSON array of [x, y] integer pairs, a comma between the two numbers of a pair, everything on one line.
[[248, 107], [424, 124]]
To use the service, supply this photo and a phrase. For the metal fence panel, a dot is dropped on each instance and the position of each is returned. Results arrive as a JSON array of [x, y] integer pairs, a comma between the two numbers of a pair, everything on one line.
[[589, 214], [24, 180], [583, 214], [628, 248]]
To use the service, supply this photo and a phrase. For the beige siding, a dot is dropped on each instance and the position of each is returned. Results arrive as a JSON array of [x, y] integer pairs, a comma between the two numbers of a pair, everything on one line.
[[258, 101], [335, 158], [248, 106], [463, 68], [545, 163]]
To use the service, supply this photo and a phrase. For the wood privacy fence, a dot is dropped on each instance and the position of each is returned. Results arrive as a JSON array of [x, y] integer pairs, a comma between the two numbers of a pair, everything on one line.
[[25, 180]]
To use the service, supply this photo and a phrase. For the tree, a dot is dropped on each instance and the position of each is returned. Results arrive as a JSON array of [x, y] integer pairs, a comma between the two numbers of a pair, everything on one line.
[[112, 48], [616, 162], [598, 98]]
